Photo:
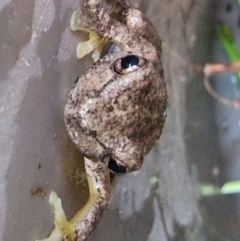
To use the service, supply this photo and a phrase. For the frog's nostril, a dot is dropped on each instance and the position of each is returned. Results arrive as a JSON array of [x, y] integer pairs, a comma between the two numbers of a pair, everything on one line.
[[116, 167]]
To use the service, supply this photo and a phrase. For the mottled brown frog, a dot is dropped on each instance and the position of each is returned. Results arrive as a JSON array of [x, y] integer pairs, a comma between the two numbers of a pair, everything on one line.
[[116, 110]]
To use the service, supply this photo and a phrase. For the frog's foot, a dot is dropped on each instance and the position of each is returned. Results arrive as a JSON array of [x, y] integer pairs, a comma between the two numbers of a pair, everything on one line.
[[85, 220], [94, 44], [64, 230]]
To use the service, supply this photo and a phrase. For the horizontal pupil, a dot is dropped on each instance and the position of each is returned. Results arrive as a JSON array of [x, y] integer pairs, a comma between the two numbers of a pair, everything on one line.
[[129, 61]]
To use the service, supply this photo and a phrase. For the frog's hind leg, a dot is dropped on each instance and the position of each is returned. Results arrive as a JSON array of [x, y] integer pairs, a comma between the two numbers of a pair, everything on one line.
[[94, 5], [100, 22], [83, 223]]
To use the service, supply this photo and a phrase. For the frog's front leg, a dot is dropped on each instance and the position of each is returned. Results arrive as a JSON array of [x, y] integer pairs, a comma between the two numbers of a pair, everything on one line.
[[83, 223]]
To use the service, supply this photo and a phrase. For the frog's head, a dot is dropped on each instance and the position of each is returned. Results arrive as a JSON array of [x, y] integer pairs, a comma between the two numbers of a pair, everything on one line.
[[134, 111]]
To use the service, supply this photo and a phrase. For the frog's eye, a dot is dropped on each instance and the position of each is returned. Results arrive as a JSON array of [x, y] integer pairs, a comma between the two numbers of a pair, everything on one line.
[[128, 64], [113, 165], [116, 167]]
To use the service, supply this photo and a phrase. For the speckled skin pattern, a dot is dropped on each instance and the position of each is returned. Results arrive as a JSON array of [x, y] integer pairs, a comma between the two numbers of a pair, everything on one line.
[[115, 111], [120, 114]]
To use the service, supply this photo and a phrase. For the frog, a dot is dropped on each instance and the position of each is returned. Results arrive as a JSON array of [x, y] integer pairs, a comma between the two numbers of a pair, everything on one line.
[[116, 110]]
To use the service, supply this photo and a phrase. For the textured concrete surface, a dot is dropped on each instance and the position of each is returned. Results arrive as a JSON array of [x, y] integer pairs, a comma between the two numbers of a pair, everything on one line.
[[37, 69]]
